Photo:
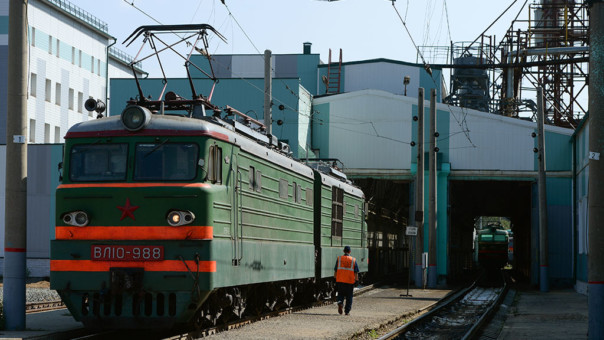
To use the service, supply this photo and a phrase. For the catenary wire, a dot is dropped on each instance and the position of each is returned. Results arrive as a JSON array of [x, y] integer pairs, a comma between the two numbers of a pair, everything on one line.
[[427, 68]]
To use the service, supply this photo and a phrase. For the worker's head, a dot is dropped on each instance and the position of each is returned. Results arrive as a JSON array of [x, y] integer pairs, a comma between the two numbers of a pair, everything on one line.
[[347, 249]]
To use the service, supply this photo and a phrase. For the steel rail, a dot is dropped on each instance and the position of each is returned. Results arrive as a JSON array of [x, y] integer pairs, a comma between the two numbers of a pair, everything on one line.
[[472, 331], [45, 306]]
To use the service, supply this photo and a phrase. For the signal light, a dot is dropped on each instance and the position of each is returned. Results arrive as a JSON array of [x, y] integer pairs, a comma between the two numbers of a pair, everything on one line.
[[178, 217], [76, 218], [135, 117]]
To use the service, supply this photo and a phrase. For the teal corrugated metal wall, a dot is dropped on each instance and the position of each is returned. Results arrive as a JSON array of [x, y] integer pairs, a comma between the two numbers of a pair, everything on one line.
[[320, 126], [558, 152], [246, 96]]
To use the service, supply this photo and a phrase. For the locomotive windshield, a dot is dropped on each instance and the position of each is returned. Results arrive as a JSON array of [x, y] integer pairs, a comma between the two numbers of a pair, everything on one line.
[[166, 161], [98, 162]]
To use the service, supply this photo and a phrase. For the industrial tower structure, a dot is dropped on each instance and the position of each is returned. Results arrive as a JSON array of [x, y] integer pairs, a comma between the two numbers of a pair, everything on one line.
[[550, 49]]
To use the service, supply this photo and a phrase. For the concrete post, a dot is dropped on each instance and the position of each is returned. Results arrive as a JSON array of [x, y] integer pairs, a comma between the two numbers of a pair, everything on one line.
[[268, 89], [432, 199], [543, 262], [595, 262], [15, 233], [419, 191]]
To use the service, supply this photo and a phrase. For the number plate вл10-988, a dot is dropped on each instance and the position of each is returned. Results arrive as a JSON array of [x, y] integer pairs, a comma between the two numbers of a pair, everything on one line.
[[126, 253]]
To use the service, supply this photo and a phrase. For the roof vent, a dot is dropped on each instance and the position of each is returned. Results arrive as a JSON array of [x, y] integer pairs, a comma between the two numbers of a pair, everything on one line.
[[307, 46]]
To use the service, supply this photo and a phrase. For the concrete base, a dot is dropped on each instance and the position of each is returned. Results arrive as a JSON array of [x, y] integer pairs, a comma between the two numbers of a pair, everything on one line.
[[14, 290], [432, 277], [559, 314], [419, 276], [543, 279], [581, 287], [596, 310]]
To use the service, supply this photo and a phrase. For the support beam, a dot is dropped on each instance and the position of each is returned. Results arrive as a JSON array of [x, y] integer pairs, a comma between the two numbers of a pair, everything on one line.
[[268, 89], [15, 233], [432, 274], [595, 261], [419, 191], [543, 261]]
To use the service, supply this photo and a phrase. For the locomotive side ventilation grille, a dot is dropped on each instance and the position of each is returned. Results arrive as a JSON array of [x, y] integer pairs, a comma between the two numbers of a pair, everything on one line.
[[146, 304]]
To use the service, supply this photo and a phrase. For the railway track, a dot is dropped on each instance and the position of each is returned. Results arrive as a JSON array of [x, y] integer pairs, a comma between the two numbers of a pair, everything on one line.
[[36, 307], [461, 316]]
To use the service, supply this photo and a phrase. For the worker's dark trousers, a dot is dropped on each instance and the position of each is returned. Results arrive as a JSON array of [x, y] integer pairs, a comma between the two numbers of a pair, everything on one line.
[[345, 292]]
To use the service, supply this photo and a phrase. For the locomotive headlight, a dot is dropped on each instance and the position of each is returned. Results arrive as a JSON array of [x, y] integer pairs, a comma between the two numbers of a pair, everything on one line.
[[76, 218], [179, 217], [135, 117]]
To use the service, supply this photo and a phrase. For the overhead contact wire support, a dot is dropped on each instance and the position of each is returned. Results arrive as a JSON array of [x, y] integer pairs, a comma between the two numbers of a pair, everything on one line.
[[15, 233], [595, 260]]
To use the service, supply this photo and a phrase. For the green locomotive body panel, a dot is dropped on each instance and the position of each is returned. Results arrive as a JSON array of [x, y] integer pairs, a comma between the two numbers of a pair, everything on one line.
[[257, 215]]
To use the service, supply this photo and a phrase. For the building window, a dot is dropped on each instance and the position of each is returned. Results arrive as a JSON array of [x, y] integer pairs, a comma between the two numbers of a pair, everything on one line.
[[80, 58], [33, 85], [71, 99], [32, 130], [50, 44], [33, 36], [392, 240], [58, 47], [92, 64], [57, 134], [337, 211], [46, 133], [80, 101], [283, 188], [98, 67], [48, 90], [73, 55], [58, 93]]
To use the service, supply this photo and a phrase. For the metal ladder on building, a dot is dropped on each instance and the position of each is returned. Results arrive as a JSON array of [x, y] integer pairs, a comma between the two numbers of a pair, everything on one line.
[[332, 83]]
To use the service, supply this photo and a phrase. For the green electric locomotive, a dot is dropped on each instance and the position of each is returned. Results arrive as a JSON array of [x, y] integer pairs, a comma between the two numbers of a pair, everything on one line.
[[492, 246], [165, 219]]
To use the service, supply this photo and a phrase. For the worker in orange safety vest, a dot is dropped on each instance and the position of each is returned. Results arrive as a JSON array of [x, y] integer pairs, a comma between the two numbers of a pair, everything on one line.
[[347, 275]]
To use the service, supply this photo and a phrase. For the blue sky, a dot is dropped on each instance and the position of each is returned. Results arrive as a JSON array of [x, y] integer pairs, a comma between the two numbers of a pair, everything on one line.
[[363, 29]]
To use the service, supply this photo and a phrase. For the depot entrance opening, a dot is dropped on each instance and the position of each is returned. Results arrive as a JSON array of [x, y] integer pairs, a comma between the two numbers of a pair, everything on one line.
[[469, 199]]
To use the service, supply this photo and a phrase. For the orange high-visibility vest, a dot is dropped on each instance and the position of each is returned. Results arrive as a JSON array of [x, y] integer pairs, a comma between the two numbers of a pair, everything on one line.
[[345, 271]]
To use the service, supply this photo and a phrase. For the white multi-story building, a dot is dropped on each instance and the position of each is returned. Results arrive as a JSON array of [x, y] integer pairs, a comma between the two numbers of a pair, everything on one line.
[[70, 59]]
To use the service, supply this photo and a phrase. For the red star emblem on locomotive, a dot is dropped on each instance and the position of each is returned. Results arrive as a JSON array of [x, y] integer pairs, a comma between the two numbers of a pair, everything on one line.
[[128, 210]]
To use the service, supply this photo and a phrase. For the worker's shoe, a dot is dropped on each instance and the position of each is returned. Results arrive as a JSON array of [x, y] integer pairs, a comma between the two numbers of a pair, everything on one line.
[[340, 308]]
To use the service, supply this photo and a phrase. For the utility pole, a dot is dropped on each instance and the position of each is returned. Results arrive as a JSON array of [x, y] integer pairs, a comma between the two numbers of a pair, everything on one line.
[[432, 198], [268, 92], [543, 263], [15, 233], [595, 262], [419, 191]]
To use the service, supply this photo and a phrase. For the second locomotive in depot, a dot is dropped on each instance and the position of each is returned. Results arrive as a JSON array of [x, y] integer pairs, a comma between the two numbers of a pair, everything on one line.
[[492, 246], [164, 219]]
